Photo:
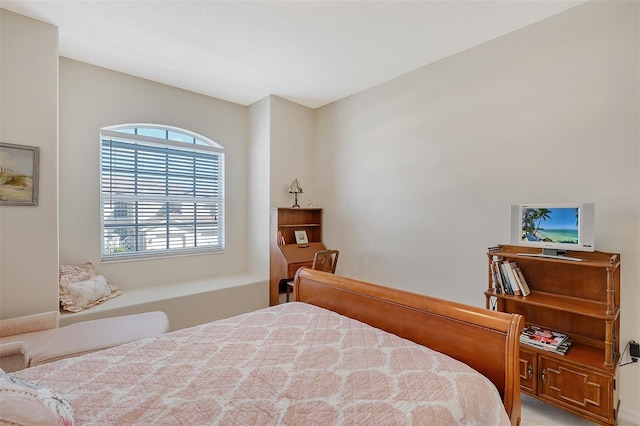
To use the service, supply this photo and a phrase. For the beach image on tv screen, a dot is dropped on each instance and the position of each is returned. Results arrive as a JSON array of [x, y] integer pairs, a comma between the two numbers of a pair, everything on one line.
[[554, 225]]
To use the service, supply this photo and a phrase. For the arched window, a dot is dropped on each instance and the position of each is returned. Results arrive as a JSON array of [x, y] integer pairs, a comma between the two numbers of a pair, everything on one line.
[[162, 192]]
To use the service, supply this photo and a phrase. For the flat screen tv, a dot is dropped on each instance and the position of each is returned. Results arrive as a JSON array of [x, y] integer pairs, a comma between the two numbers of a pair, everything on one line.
[[555, 228]]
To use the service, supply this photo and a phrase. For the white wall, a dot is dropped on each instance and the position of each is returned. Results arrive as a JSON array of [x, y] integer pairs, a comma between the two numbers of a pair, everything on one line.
[[281, 135], [292, 134], [92, 98], [419, 172], [259, 193], [29, 116]]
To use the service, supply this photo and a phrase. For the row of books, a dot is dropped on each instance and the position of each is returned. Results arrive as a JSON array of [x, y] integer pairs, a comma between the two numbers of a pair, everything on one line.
[[544, 338], [508, 278]]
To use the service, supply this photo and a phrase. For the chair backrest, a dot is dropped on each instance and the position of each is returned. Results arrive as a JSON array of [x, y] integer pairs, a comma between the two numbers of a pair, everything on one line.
[[326, 261]]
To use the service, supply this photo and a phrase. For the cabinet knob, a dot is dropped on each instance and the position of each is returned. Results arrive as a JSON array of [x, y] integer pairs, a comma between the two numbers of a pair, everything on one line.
[[530, 371], [544, 375]]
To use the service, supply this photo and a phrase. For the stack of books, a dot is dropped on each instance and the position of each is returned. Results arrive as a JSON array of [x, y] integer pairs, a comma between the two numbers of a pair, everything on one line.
[[546, 339], [507, 278]]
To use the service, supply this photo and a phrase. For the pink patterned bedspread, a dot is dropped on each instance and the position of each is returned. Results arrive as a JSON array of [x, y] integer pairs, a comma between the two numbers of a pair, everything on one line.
[[293, 364]]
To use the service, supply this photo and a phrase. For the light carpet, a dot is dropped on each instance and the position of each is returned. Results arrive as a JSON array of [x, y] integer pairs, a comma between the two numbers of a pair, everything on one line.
[[538, 413], [535, 412]]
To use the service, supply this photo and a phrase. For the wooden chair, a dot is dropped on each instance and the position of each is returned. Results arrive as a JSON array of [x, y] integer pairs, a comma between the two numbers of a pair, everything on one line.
[[323, 260]]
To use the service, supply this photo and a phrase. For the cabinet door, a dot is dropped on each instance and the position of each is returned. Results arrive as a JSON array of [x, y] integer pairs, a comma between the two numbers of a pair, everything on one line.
[[576, 387], [528, 370]]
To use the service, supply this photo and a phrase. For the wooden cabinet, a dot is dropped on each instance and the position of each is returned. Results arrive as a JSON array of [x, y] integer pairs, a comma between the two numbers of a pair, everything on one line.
[[528, 369], [581, 299], [285, 255]]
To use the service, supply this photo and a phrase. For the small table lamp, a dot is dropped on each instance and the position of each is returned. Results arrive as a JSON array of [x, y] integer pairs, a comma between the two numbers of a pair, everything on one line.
[[295, 189]]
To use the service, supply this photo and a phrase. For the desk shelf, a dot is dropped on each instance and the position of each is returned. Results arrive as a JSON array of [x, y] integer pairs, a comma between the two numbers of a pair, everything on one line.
[[285, 259]]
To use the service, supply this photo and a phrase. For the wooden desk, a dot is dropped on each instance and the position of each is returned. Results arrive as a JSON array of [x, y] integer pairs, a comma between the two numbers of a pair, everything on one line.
[[285, 261]]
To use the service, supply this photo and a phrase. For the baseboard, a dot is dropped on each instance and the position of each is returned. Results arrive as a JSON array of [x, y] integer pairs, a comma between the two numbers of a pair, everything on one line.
[[629, 417]]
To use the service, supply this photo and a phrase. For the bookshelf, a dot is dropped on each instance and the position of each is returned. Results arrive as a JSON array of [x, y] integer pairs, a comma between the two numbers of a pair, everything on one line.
[[581, 299]]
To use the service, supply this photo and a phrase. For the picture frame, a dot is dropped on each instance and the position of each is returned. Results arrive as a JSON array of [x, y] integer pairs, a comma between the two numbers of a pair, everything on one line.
[[301, 237], [19, 172]]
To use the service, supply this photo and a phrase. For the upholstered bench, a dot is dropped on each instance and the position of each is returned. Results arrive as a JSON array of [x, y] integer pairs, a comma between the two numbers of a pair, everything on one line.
[[37, 339]]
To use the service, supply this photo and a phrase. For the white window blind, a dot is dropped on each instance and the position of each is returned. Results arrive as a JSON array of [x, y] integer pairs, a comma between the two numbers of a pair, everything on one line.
[[162, 192]]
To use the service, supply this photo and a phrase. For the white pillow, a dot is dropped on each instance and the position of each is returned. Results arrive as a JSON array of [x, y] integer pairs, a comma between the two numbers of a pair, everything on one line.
[[77, 296]]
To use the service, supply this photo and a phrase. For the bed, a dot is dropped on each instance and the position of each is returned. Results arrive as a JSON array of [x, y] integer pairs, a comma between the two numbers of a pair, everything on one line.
[[344, 352]]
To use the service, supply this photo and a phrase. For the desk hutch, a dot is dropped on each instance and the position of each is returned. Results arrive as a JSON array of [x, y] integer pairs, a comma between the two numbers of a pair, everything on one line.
[[285, 256]]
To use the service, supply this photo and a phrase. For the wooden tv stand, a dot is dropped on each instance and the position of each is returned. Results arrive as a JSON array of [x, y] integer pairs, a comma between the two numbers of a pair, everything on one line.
[[579, 298]]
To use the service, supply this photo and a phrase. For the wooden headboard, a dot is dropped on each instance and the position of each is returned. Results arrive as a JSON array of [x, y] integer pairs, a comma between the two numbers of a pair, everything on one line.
[[486, 340]]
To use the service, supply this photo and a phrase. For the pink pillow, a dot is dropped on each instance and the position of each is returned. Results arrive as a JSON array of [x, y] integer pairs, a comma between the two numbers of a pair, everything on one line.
[[80, 287], [76, 273], [27, 403], [77, 296]]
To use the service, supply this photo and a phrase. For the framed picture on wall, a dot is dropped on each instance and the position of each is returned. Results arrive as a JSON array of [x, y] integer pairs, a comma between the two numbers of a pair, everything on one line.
[[301, 237], [19, 166]]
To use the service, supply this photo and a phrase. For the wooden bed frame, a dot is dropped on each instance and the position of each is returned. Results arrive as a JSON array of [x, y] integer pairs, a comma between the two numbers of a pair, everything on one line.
[[488, 341]]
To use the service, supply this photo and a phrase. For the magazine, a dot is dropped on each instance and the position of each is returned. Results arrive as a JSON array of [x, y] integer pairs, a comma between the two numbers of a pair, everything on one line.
[[560, 350], [542, 337], [563, 347]]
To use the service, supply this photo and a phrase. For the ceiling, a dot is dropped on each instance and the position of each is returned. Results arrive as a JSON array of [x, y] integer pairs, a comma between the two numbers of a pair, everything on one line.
[[310, 52]]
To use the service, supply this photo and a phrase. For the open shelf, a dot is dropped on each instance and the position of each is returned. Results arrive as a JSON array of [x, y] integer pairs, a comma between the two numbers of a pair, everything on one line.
[[595, 258], [581, 355], [558, 302]]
